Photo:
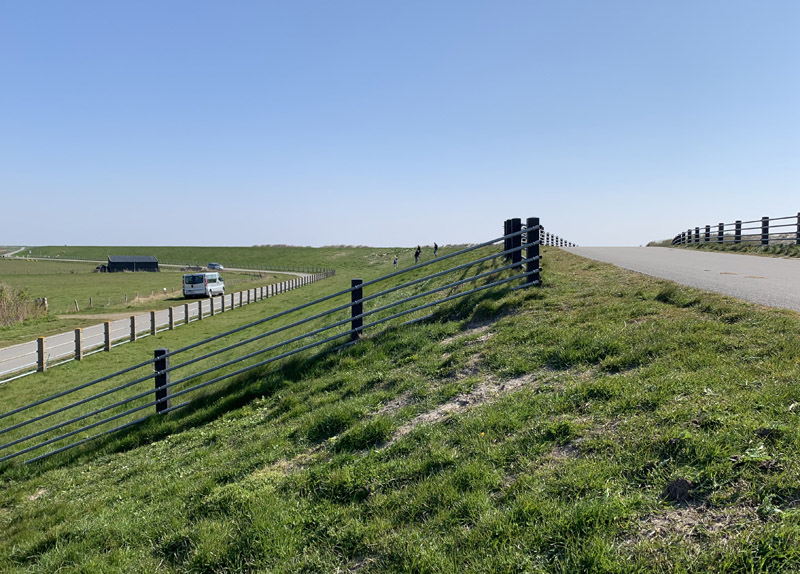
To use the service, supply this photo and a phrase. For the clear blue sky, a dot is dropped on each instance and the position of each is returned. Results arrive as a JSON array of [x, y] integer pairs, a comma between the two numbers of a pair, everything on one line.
[[393, 122]]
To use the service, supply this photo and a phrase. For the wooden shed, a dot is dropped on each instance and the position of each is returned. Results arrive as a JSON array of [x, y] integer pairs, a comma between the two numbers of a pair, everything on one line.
[[132, 263]]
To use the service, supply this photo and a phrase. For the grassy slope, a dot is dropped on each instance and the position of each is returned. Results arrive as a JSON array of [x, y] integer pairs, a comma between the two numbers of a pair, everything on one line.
[[545, 430]]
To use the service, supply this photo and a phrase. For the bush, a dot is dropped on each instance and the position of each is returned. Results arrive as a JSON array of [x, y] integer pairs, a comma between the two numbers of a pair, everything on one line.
[[18, 306]]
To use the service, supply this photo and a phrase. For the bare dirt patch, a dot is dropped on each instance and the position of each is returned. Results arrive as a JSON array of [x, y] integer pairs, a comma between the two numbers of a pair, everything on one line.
[[695, 525], [468, 333], [484, 392], [396, 404], [37, 495], [565, 452]]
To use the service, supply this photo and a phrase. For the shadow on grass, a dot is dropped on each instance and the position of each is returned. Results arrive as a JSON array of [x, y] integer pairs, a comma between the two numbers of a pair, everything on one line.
[[263, 382]]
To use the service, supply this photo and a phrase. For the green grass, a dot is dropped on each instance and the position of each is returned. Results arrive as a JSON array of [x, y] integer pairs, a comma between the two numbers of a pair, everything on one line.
[[775, 250], [259, 257], [65, 282], [607, 422]]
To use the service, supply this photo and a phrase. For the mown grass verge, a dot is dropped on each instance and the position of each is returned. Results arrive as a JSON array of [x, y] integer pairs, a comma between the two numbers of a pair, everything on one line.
[[607, 422], [775, 250]]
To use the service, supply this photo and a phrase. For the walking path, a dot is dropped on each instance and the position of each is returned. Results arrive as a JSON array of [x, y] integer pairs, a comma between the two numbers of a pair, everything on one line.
[[10, 253], [770, 281]]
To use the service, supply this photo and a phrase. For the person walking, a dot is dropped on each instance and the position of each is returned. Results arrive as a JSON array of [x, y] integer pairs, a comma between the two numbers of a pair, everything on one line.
[[416, 254], [435, 249], [395, 261]]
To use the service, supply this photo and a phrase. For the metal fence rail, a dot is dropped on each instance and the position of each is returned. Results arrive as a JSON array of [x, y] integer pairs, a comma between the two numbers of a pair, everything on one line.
[[764, 231], [108, 404]]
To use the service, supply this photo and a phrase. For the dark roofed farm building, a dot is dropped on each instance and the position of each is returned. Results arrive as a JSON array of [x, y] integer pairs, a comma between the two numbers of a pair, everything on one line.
[[132, 263]]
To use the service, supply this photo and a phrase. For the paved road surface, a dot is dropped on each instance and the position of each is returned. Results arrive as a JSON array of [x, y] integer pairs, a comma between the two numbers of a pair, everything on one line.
[[766, 280]]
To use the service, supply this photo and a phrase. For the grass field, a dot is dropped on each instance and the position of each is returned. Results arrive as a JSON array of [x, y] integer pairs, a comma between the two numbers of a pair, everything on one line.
[[65, 283], [354, 259], [607, 422], [114, 293]]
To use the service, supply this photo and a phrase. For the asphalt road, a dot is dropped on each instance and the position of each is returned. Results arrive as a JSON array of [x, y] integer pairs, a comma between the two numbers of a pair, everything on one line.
[[769, 281]]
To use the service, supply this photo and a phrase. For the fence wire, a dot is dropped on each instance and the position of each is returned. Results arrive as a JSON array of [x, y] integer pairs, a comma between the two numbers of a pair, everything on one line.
[[110, 403]]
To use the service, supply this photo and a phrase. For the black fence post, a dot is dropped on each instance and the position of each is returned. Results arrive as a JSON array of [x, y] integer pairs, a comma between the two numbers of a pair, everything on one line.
[[532, 251], [689, 235], [516, 257], [720, 233], [506, 240], [765, 231], [708, 233], [737, 233], [162, 379], [697, 235], [357, 308], [797, 237]]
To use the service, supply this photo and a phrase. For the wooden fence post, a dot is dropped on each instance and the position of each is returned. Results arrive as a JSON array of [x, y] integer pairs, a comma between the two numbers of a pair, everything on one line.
[[171, 318], [186, 314], [765, 231], [200, 310], [78, 345], [107, 335], [160, 365], [211, 304], [357, 307], [152, 322], [41, 355], [133, 328]]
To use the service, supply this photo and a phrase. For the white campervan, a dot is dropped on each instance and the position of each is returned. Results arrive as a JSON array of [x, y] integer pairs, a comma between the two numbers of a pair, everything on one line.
[[203, 285]]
